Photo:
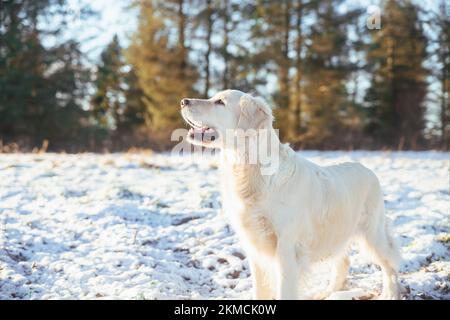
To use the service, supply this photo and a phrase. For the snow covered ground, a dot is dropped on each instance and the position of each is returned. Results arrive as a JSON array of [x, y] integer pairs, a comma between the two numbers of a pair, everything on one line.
[[142, 226]]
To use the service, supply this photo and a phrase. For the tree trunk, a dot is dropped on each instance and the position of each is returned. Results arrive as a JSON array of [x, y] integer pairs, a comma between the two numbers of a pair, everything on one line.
[[182, 37], [209, 28], [444, 106], [226, 56], [445, 77], [284, 66], [297, 106]]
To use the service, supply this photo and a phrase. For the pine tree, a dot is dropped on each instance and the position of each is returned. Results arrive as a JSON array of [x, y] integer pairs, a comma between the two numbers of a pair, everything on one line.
[[239, 71], [398, 85], [40, 87], [161, 62], [225, 13], [204, 21], [295, 110], [108, 102], [222, 18], [271, 33], [277, 34], [443, 54], [326, 72], [135, 115]]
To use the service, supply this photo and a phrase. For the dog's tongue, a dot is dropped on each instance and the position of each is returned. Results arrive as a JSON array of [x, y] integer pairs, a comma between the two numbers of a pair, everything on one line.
[[201, 130], [197, 130], [203, 133]]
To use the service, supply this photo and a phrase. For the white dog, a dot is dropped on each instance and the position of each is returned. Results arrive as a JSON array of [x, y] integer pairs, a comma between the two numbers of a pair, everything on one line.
[[299, 214]]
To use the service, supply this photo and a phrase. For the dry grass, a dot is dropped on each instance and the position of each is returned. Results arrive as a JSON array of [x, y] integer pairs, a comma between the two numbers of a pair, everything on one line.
[[14, 147]]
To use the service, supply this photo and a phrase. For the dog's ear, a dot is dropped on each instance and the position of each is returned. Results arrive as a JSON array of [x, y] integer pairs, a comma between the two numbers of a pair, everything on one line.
[[255, 113]]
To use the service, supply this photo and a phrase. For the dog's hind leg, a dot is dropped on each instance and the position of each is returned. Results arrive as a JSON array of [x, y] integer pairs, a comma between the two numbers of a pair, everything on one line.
[[339, 274], [383, 248]]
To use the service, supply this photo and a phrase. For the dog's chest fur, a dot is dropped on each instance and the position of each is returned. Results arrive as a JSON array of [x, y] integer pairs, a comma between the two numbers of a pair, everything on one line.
[[243, 195]]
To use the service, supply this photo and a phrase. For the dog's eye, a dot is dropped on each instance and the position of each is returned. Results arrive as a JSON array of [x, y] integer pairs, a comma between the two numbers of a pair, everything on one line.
[[219, 101]]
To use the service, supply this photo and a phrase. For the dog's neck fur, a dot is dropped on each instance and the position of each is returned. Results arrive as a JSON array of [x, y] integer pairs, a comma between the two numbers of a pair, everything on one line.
[[248, 180]]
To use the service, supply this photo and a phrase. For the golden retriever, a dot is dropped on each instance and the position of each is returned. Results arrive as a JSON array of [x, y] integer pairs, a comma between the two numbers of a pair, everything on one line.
[[297, 213]]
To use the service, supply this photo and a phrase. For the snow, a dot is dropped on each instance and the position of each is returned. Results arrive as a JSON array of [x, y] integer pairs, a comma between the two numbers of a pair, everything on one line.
[[149, 226]]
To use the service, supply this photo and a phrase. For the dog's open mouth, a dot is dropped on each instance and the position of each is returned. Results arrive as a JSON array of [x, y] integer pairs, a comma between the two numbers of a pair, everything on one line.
[[201, 133]]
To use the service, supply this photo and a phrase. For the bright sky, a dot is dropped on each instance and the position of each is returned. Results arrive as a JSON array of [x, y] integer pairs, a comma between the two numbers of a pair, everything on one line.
[[115, 17]]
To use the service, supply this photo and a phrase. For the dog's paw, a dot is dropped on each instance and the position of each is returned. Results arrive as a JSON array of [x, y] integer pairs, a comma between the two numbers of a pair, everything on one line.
[[352, 294], [388, 296], [322, 295]]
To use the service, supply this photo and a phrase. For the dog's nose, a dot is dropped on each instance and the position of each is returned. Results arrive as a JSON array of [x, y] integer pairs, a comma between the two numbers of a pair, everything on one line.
[[184, 102]]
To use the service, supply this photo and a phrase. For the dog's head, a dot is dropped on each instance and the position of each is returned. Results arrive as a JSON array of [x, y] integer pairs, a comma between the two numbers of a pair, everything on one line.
[[228, 111]]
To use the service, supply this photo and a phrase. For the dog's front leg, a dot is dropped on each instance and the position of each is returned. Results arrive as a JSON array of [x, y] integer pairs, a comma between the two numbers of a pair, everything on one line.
[[287, 275], [261, 286]]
